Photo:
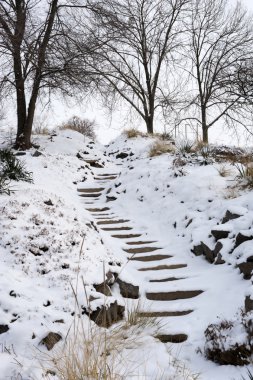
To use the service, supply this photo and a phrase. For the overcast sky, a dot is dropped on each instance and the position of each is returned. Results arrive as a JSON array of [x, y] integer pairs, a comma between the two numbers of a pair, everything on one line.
[[249, 3]]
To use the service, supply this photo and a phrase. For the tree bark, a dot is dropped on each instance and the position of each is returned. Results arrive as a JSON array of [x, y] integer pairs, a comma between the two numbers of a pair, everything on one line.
[[204, 124]]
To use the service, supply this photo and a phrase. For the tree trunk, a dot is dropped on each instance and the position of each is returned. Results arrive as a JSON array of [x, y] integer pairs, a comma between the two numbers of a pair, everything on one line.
[[20, 98], [150, 124], [204, 125]]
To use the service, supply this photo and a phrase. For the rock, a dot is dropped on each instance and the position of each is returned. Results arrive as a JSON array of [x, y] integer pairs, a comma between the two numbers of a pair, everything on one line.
[[20, 153], [219, 260], [4, 329], [198, 250], [248, 304], [246, 269], [50, 340], [236, 355], [49, 202], [122, 155], [37, 154], [241, 238], [104, 289], [110, 199], [105, 316], [229, 216], [203, 249], [220, 234], [128, 290]]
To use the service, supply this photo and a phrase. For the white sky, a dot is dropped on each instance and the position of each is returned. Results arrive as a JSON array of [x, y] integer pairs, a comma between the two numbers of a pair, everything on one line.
[[109, 127]]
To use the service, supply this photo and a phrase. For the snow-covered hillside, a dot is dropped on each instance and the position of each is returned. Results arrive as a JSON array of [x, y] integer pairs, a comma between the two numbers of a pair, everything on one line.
[[51, 244]]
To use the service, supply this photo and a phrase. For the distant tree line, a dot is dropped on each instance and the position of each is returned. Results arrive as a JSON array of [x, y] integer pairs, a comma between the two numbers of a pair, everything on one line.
[[189, 58]]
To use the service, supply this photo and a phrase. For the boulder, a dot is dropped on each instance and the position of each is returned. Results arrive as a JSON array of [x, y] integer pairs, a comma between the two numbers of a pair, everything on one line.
[[219, 234], [128, 290], [50, 340], [248, 304], [241, 238], [236, 355], [246, 268], [229, 216], [110, 199], [3, 329], [203, 249], [122, 155], [104, 287], [105, 316]]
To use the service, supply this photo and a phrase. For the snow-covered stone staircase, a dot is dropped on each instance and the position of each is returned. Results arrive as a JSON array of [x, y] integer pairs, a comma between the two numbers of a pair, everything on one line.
[[151, 266]]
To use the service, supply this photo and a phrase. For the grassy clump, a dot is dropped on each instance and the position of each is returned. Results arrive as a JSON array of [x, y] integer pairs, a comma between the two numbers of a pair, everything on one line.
[[11, 168], [245, 173], [133, 133], [160, 147]]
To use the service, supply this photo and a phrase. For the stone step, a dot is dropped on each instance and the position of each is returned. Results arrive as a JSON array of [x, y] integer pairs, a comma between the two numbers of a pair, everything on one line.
[[172, 338], [167, 279], [91, 190], [140, 242], [141, 249], [105, 178], [90, 195], [113, 221], [157, 314], [161, 267], [172, 296], [126, 236], [98, 209], [96, 216], [107, 174], [117, 228], [150, 258]]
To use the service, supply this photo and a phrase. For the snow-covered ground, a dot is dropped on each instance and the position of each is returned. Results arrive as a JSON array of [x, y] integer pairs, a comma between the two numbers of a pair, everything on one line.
[[48, 240]]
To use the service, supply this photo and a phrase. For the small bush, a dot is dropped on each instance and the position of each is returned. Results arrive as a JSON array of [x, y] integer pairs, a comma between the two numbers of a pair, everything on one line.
[[83, 126], [11, 168], [132, 133], [185, 146], [224, 171], [39, 130], [245, 173], [160, 147]]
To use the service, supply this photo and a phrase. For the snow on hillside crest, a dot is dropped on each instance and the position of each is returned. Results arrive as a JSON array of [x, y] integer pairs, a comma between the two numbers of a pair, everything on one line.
[[42, 227], [44, 224]]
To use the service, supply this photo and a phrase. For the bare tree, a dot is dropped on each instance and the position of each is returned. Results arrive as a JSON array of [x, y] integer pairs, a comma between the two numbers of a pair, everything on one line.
[[219, 39], [35, 56], [136, 39]]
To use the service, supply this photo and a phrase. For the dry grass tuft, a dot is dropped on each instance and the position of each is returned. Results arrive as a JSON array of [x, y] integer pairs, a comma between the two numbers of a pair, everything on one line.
[[224, 171], [39, 130], [245, 173], [161, 147], [133, 133]]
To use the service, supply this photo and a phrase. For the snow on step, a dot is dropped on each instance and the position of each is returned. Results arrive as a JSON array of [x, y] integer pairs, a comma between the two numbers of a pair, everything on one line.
[[172, 338], [162, 267], [159, 314], [90, 195], [167, 279], [126, 236], [105, 178], [113, 221], [172, 296], [140, 242], [150, 258], [141, 249], [91, 190], [117, 228], [98, 209]]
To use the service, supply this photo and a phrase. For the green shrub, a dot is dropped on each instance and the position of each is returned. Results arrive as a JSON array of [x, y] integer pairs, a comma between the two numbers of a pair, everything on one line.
[[11, 168]]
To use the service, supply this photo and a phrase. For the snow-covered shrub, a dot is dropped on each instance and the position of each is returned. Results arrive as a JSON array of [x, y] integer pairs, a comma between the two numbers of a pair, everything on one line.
[[229, 342], [84, 126]]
